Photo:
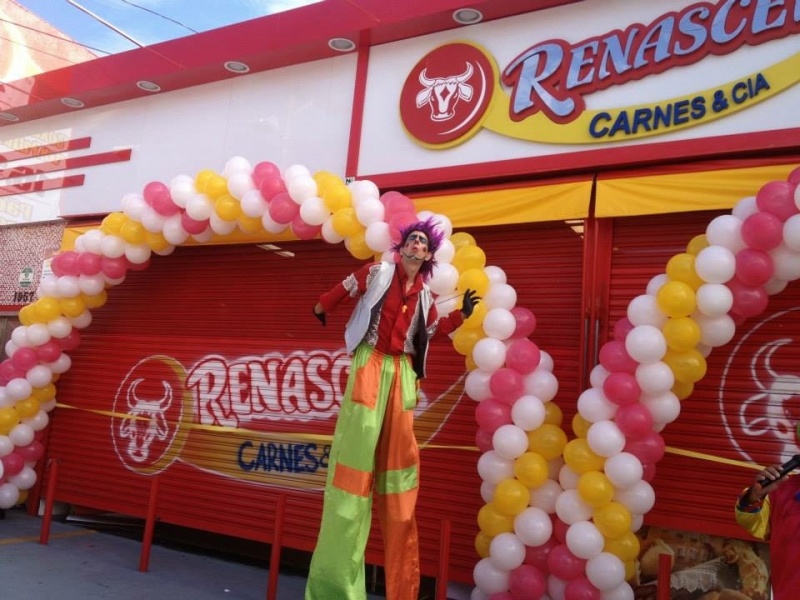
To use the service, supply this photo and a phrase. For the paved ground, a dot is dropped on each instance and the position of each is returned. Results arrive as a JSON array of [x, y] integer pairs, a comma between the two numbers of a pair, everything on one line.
[[84, 564]]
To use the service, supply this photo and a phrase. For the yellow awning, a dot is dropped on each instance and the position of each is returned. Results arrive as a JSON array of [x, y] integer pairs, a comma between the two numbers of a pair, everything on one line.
[[682, 192]]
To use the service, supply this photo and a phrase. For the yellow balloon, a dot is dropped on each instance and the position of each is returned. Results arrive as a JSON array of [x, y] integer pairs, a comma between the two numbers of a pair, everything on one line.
[[345, 223], [473, 279], [27, 407], [511, 497], [531, 469], [553, 414], [612, 519], [112, 223], [44, 394], [325, 179], [72, 307], [682, 389], [681, 333], [461, 239], [95, 300], [630, 569], [228, 208], [595, 488], [697, 243], [548, 440], [475, 320], [249, 224], [676, 299], [469, 257], [216, 186], [202, 178], [27, 315], [492, 522], [581, 458], [46, 309], [9, 418], [132, 232], [689, 366], [156, 241], [681, 268], [337, 196], [625, 547], [482, 543], [464, 340], [469, 363], [580, 426]]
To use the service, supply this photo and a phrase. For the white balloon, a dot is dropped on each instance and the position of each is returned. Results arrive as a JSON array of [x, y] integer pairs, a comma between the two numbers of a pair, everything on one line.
[[622, 592], [655, 284], [239, 184], [18, 388], [646, 344], [714, 299], [533, 526], [6, 446], [506, 551], [200, 207], [9, 495], [775, 286], [21, 434], [152, 221], [567, 479], [40, 420], [445, 252], [476, 385], [745, 207], [643, 310], [715, 331], [133, 205], [61, 364], [493, 468], [11, 348], [570, 508], [605, 438], [272, 226], [639, 498], [38, 334], [664, 407], [545, 496], [363, 190], [204, 236], [623, 470], [496, 275], [377, 237], [220, 226], [528, 412], [489, 578], [594, 406], [725, 231], [545, 361], [500, 295], [443, 224], [489, 354], [19, 335], [112, 246], [487, 491], [542, 384], [173, 230], [499, 323], [24, 480], [654, 378], [605, 571], [67, 286], [584, 540], [39, 376], [598, 375], [48, 286], [301, 188], [371, 210], [791, 232], [59, 327], [556, 587], [181, 189], [313, 211], [295, 170], [509, 441], [138, 254], [91, 285], [444, 278], [787, 263], [93, 240], [253, 204], [715, 264]]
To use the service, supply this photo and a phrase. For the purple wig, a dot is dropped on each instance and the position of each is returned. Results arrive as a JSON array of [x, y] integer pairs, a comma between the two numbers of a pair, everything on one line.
[[435, 238]]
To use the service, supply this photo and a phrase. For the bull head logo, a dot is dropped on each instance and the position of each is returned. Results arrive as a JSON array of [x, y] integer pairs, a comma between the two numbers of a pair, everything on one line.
[[443, 93], [144, 422], [775, 409]]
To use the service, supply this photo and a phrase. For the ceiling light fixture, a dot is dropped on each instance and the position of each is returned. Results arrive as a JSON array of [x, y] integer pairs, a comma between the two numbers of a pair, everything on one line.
[[341, 44], [72, 102], [148, 86], [234, 66], [467, 16], [7, 116]]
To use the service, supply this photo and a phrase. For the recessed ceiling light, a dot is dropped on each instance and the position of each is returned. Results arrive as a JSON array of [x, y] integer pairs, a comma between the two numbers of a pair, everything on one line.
[[72, 102], [234, 66], [467, 16], [148, 86], [341, 44], [7, 116]]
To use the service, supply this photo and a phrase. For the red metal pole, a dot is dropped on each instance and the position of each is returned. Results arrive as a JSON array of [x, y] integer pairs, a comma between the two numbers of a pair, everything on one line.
[[44, 534], [149, 525], [275, 552], [664, 571], [444, 556]]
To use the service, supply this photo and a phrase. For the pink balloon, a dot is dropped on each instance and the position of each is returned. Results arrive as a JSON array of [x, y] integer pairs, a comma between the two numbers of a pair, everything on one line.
[[526, 582], [634, 420], [523, 356], [193, 226], [526, 322], [506, 385], [581, 589], [794, 177], [483, 440], [89, 263], [272, 187], [12, 463], [491, 414], [24, 359], [622, 388], [621, 329], [559, 530], [648, 449], [399, 222], [114, 267], [163, 204], [49, 351], [762, 231], [265, 170], [8, 371], [138, 266], [33, 451], [65, 263], [777, 197], [747, 301], [614, 357], [71, 340], [564, 564], [537, 555], [282, 209], [303, 230], [754, 267], [501, 596], [648, 471], [396, 203]]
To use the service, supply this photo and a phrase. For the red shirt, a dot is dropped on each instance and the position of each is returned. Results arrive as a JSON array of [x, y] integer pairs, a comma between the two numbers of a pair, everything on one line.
[[396, 311]]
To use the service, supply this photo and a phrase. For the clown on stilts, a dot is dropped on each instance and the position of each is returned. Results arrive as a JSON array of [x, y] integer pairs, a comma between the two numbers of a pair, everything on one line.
[[373, 444]]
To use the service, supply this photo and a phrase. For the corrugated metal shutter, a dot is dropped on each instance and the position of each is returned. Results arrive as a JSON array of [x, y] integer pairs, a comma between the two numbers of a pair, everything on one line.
[[238, 301], [726, 416]]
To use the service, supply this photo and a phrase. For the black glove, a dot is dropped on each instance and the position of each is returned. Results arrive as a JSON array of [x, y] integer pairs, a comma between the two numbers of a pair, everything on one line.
[[320, 316], [471, 300]]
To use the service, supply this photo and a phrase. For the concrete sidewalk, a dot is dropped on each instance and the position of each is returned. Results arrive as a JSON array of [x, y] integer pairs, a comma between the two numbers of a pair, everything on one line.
[[83, 564]]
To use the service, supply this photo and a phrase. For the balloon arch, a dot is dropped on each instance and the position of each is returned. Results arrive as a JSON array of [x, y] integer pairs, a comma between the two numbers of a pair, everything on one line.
[[560, 515]]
